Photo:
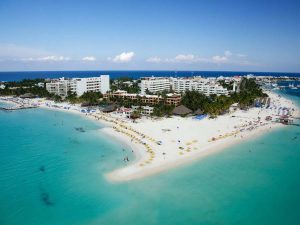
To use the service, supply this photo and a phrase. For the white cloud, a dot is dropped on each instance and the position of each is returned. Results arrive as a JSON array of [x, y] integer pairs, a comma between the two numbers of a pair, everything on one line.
[[51, 58], [185, 58], [219, 59], [89, 58], [154, 59], [123, 57], [227, 57]]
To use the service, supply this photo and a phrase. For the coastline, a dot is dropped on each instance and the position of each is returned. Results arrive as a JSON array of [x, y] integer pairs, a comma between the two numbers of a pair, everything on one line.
[[125, 174], [149, 156], [133, 171]]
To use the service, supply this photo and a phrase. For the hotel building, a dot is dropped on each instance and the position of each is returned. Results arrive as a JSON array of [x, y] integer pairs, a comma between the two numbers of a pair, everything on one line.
[[206, 86], [202, 85], [145, 110], [170, 99], [79, 85], [154, 84]]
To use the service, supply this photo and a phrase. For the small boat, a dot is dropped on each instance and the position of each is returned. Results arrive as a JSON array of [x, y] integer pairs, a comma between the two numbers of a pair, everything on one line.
[[274, 85], [292, 86]]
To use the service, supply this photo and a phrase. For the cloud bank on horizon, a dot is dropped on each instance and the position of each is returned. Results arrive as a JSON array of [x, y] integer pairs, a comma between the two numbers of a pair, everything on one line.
[[150, 35]]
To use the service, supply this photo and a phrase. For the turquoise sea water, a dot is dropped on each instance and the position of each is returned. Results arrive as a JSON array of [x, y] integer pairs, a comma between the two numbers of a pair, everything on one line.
[[51, 174]]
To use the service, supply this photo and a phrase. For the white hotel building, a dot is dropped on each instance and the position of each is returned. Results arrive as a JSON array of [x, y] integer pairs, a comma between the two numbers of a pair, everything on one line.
[[203, 85], [154, 84], [79, 85], [206, 86]]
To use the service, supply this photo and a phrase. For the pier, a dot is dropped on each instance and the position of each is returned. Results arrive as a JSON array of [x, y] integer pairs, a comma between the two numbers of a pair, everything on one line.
[[13, 108]]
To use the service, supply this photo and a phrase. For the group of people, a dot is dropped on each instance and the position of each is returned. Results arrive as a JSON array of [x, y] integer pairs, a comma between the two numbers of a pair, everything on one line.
[[119, 126]]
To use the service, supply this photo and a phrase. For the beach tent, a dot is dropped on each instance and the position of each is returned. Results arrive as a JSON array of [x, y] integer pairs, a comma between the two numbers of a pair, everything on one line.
[[27, 95], [181, 110]]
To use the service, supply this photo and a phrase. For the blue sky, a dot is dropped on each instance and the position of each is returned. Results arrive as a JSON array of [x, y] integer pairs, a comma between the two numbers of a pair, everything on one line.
[[255, 35]]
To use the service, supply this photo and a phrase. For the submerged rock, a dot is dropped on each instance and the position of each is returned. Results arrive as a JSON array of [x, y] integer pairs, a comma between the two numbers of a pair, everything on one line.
[[46, 199], [42, 168], [79, 129]]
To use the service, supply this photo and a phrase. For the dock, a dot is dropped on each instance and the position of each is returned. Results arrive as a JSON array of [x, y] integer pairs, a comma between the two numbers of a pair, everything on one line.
[[14, 108]]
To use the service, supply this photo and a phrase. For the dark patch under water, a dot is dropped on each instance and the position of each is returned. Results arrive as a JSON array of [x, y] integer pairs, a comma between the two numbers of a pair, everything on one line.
[[45, 197], [42, 168], [79, 129]]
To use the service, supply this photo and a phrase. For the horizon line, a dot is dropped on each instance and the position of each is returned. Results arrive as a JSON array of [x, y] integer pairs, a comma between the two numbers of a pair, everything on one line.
[[227, 71]]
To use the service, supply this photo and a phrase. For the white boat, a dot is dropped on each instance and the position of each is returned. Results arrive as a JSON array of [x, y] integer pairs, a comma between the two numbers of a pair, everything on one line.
[[274, 85], [292, 86]]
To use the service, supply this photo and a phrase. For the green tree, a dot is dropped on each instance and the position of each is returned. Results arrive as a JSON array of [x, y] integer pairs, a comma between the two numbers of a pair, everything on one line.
[[194, 100]]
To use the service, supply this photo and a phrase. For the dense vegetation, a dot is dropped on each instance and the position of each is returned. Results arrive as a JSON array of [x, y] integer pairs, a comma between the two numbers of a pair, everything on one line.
[[216, 105], [162, 110], [228, 86], [25, 86], [87, 99], [24, 83], [120, 84]]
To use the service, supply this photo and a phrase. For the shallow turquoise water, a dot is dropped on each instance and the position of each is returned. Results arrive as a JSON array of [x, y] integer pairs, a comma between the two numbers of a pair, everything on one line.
[[51, 174]]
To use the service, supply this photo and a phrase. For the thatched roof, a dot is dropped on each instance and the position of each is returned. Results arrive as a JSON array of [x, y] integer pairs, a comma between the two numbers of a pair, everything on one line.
[[27, 95], [110, 108], [198, 112], [181, 110]]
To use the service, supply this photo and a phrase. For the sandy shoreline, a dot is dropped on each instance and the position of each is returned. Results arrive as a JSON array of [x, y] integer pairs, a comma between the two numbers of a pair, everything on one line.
[[172, 159], [166, 143], [127, 173]]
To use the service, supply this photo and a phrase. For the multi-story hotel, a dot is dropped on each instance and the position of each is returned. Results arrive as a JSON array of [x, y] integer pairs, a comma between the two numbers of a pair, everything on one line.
[[59, 87], [145, 110], [170, 99], [154, 84], [202, 85], [206, 86], [79, 85]]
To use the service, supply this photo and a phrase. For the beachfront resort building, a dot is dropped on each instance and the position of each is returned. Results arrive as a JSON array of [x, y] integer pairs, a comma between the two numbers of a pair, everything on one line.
[[145, 110], [202, 85], [127, 112], [169, 99], [61, 86], [154, 84], [206, 86]]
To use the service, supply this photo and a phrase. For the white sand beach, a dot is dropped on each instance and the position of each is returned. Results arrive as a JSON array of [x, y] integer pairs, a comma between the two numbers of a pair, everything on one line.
[[161, 144], [187, 139]]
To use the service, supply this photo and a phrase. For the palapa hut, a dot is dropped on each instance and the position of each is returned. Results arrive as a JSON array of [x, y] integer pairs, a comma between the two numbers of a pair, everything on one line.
[[27, 95], [181, 110], [109, 108]]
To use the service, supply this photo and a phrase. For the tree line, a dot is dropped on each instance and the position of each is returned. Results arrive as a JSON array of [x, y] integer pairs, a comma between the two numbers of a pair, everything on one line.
[[215, 105]]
